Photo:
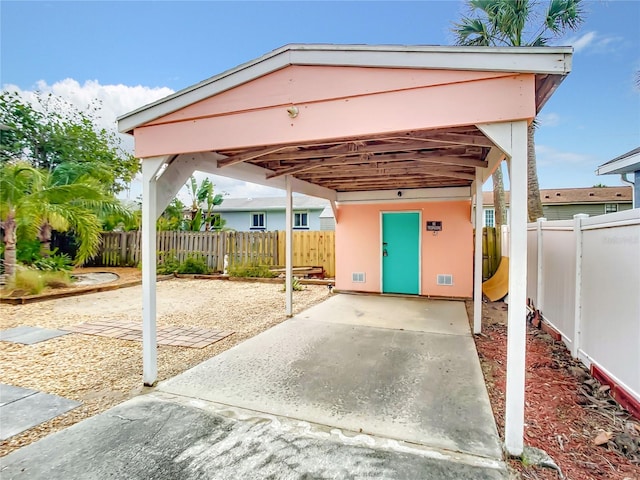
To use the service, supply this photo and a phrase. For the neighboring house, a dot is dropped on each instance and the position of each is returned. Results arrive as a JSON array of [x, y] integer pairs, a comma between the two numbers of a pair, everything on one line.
[[626, 164], [327, 220], [564, 203], [268, 213]]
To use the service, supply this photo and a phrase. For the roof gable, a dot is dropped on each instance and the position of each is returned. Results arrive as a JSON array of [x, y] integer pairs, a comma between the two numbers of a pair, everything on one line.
[[549, 64]]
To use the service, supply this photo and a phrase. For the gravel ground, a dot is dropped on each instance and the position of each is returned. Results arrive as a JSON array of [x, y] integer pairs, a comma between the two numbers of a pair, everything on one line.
[[102, 372]]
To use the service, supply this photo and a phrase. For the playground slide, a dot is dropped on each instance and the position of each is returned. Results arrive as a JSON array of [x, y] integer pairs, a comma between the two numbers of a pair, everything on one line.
[[498, 286]]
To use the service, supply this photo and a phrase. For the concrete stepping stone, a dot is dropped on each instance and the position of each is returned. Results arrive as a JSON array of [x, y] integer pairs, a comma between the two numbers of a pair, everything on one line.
[[23, 408], [29, 335]]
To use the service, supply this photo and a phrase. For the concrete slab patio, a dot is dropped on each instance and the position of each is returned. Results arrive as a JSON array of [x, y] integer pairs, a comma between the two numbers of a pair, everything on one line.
[[366, 364], [356, 387]]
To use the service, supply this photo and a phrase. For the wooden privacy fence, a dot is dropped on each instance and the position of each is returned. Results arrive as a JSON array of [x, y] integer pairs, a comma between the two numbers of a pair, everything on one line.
[[491, 251], [121, 249], [311, 248]]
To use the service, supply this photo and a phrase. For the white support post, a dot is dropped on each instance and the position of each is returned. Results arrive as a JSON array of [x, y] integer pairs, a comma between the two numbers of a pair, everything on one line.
[[577, 319], [477, 273], [516, 320], [289, 247], [540, 269], [150, 168]]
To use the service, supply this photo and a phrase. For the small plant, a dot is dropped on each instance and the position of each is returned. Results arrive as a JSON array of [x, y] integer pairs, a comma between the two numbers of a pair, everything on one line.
[[252, 271], [296, 286], [168, 263]]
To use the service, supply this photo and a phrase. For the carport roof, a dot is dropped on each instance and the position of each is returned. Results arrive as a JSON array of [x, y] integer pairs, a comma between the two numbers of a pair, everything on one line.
[[340, 155]]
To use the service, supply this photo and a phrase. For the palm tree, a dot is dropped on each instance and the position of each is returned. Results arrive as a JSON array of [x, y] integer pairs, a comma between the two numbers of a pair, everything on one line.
[[202, 193], [518, 23], [33, 203]]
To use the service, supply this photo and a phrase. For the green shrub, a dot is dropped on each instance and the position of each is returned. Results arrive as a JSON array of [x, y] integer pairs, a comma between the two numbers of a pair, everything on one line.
[[27, 251], [54, 263], [194, 264], [168, 263], [253, 271]]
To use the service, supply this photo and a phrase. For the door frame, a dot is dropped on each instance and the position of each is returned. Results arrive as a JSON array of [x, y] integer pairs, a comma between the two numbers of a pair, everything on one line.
[[383, 212]]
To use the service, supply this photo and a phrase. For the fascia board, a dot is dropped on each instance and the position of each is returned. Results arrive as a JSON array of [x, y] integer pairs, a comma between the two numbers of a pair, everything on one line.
[[625, 165]]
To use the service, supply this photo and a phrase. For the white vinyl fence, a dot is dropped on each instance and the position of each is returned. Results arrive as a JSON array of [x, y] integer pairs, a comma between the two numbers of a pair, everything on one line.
[[584, 276]]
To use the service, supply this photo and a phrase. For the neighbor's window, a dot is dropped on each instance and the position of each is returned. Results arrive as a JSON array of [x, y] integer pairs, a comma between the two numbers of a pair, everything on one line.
[[300, 220], [489, 217], [258, 221], [610, 207]]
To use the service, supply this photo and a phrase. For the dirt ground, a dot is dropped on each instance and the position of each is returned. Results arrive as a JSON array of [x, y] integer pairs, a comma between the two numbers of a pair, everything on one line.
[[102, 372], [567, 413]]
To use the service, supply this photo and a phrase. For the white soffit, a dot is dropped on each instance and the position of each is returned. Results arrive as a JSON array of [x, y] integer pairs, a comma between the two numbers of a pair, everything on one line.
[[409, 195]]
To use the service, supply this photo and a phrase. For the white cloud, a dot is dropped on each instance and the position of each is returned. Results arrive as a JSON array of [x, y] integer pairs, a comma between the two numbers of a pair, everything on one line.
[[116, 100], [549, 156], [583, 41], [594, 42], [550, 119]]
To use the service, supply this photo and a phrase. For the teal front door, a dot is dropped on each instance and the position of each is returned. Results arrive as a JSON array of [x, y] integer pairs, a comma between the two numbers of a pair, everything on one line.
[[401, 253]]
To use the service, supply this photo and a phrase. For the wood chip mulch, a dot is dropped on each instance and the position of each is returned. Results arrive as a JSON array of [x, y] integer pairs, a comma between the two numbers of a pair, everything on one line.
[[568, 414]]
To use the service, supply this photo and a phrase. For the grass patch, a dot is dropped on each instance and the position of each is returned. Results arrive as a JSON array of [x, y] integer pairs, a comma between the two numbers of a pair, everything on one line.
[[27, 280], [33, 282]]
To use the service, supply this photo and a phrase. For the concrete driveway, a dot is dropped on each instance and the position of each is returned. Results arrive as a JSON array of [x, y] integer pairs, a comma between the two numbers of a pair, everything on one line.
[[355, 387]]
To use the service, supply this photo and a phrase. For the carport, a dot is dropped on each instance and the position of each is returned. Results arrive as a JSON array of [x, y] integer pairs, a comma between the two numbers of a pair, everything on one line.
[[358, 125]]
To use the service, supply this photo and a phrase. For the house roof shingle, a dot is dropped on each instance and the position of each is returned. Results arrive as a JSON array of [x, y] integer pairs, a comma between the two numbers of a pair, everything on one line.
[[564, 196]]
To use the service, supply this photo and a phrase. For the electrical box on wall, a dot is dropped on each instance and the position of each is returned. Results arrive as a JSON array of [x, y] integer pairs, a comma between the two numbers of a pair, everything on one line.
[[434, 226]]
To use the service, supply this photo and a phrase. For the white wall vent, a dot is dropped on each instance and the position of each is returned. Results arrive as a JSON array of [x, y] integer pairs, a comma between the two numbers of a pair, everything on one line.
[[357, 277], [445, 279]]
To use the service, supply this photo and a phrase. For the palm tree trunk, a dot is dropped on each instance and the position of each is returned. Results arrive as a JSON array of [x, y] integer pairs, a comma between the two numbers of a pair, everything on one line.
[[44, 236], [499, 204], [534, 202], [9, 226]]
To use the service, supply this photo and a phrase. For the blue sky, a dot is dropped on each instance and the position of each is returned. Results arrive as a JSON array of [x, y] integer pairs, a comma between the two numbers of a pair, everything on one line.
[[130, 53]]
